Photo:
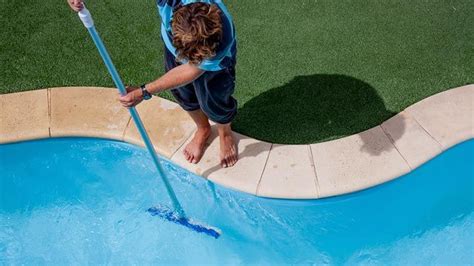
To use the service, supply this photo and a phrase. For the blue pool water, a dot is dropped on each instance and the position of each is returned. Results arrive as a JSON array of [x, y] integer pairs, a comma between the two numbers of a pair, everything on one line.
[[77, 200]]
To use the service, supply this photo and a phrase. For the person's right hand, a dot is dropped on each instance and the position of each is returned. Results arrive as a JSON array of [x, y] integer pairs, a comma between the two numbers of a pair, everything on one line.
[[76, 5]]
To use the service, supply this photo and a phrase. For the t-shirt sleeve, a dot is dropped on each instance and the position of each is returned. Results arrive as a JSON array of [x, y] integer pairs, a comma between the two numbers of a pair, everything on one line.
[[171, 3]]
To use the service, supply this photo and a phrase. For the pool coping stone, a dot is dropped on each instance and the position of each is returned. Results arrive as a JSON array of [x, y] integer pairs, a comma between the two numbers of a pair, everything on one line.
[[352, 163]]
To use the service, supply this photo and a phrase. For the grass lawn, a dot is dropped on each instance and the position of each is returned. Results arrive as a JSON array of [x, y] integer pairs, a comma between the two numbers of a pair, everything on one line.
[[308, 71]]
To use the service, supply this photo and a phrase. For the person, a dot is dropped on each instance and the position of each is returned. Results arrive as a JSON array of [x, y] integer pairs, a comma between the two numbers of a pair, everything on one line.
[[200, 57]]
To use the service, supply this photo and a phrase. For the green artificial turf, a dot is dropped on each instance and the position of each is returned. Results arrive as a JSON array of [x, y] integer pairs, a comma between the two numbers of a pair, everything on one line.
[[308, 71]]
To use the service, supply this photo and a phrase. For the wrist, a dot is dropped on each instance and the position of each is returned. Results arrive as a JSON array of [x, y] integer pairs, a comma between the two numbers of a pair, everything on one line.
[[151, 88], [146, 95]]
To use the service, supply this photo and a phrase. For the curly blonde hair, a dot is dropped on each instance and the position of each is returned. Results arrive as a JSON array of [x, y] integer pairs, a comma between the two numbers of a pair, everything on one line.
[[197, 31]]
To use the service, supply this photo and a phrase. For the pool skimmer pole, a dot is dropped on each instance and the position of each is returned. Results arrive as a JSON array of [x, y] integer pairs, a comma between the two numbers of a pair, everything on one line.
[[177, 215]]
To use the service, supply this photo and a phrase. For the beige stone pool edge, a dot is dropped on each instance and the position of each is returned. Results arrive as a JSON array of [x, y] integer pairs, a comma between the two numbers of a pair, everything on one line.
[[336, 167]]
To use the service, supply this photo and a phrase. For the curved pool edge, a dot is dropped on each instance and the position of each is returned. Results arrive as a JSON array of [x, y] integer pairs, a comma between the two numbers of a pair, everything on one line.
[[369, 158]]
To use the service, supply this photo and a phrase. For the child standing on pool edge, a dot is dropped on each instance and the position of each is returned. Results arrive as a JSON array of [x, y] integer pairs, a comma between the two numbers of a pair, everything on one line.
[[200, 57]]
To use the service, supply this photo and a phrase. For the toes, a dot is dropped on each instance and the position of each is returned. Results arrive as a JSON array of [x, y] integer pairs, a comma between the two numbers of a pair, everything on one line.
[[188, 156], [229, 161], [197, 158], [232, 161]]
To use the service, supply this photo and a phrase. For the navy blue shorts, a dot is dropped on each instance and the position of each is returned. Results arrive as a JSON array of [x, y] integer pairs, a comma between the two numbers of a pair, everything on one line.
[[211, 92]]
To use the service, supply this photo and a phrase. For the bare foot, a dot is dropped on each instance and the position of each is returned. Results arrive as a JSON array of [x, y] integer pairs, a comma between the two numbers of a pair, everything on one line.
[[195, 149], [229, 154]]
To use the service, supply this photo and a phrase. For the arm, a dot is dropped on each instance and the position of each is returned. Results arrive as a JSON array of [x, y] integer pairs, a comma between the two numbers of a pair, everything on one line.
[[176, 77]]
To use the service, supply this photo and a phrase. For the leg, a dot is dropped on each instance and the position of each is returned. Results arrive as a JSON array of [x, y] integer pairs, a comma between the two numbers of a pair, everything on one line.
[[195, 149], [214, 92], [186, 97], [228, 148]]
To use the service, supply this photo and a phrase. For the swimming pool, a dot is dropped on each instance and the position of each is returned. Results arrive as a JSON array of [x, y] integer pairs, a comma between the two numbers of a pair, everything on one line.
[[78, 200]]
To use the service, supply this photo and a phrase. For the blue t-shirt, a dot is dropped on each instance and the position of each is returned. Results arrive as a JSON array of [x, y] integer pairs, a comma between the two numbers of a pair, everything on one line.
[[226, 51]]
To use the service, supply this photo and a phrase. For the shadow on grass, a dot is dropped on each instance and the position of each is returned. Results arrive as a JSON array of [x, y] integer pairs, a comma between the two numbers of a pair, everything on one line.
[[311, 109]]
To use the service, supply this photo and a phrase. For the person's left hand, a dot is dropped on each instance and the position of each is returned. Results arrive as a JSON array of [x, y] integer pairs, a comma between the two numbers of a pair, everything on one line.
[[133, 97]]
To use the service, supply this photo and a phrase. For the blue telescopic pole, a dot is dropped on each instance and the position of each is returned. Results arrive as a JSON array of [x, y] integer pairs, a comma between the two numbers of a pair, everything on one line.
[[86, 19]]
